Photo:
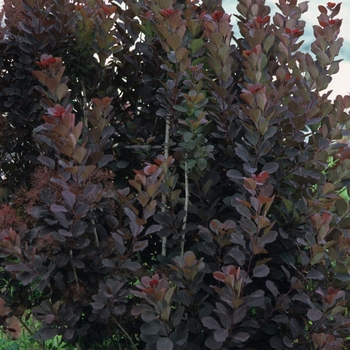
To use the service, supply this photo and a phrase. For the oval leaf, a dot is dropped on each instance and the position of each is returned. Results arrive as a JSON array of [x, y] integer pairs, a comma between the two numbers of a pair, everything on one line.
[[314, 315], [261, 271], [164, 344]]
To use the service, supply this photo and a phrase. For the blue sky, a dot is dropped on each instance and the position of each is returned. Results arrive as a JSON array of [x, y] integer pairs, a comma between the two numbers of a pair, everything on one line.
[[341, 81]]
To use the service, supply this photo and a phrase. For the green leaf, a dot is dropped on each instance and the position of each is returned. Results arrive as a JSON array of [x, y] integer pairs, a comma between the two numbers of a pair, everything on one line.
[[202, 164], [180, 108], [196, 45]]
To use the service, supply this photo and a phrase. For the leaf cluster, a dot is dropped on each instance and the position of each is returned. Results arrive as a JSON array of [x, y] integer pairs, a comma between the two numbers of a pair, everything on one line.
[[198, 190]]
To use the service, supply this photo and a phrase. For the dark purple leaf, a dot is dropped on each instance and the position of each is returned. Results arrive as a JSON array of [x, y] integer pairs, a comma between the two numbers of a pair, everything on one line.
[[153, 228], [239, 314], [183, 297], [281, 318], [276, 343], [241, 337], [235, 175], [261, 271], [119, 310], [314, 314], [18, 267], [26, 277], [108, 263], [47, 161], [68, 334], [164, 344], [55, 208], [212, 344], [288, 343], [269, 237], [48, 334], [77, 263], [272, 288], [270, 167], [139, 309], [150, 328], [62, 259], [220, 334], [244, 211], [69, 197], [105, 160], [315, 274], [139, 246], [177, 316], [238, 256], [50, 318], [98, 305], [210, 323], [131, 265], [64, 233]]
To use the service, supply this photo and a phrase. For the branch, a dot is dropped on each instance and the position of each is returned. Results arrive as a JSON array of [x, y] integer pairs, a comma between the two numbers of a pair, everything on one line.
[[166, 155], [187, 197]]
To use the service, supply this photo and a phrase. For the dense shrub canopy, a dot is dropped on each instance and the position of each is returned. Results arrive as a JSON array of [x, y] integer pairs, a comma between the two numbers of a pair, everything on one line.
[[170, 184]]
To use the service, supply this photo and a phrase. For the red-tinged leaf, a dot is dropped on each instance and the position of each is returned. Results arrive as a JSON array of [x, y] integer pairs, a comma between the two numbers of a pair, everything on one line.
[[79, 154], [261, 271], [219, 276], [262, 177], [322, 9], [263, 200], [314, 314], [210, 323], [41, 76], [61, 91], [249, 184], [139, 246], [88, 170]]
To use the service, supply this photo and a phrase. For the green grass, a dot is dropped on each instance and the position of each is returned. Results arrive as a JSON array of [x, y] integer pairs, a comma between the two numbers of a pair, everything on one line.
[[27, 342]]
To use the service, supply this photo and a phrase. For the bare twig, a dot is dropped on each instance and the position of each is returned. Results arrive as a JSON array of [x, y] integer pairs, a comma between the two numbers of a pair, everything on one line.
[[166, 155], [187, 197]]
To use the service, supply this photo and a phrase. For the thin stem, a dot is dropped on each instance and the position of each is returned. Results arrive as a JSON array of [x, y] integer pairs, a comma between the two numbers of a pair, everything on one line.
[[74, 271], [24, 325], [187, 197], [85, 104], [95, 233], [166, 155], [125, 333]]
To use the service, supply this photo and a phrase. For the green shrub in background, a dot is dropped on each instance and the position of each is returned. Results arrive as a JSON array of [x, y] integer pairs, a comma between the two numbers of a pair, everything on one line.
[[170, 187]]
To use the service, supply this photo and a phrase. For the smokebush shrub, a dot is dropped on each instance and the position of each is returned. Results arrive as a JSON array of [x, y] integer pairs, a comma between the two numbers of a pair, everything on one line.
[[172, 185]]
